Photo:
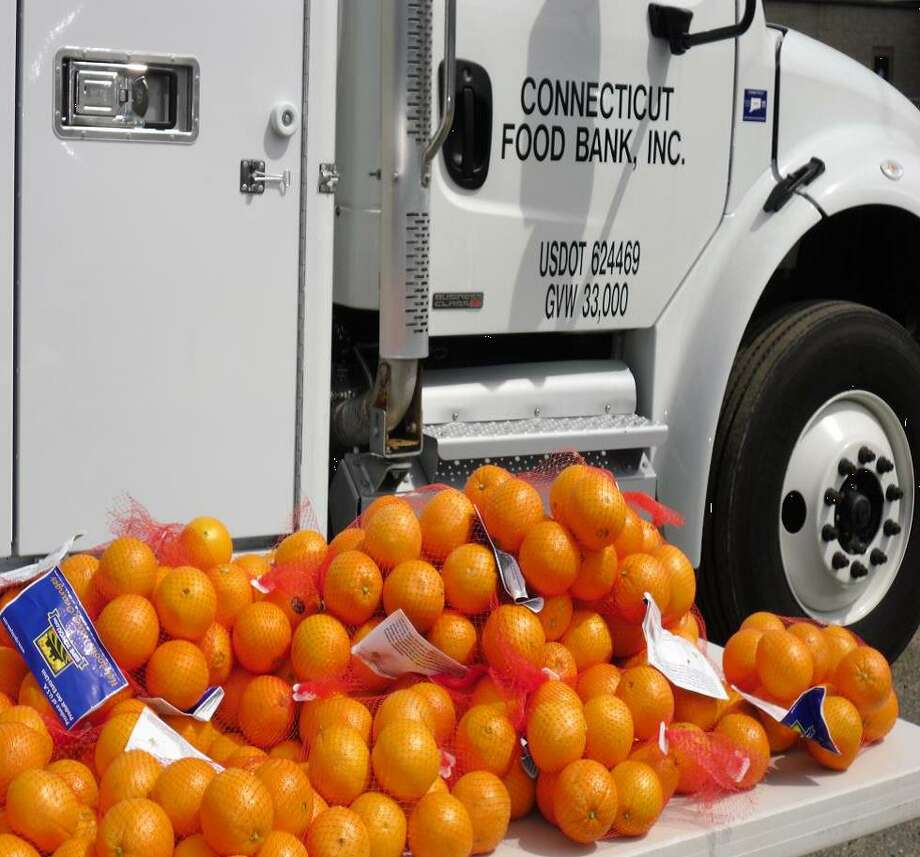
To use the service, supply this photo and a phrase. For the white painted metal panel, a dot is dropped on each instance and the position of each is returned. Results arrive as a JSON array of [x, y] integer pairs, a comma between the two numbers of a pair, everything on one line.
[[7, 212], [159, 306], [499, 240]]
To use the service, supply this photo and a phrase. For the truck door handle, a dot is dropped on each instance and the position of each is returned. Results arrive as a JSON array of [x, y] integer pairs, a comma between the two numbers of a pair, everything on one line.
[[468, 148], [672, 23], [786, 187]]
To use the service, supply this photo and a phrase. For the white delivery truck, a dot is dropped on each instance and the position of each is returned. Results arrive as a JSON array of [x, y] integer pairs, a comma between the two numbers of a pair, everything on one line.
[[257, 254]]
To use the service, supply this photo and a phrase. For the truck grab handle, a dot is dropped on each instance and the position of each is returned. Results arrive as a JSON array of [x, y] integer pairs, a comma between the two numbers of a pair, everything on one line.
[[450, 81], [672, 24]]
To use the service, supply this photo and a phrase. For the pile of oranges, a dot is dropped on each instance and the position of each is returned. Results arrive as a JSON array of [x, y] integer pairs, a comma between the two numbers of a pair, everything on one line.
[[369, 766]]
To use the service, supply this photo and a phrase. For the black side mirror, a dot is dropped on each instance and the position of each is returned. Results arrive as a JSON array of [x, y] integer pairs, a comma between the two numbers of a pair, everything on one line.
[[672, 24]]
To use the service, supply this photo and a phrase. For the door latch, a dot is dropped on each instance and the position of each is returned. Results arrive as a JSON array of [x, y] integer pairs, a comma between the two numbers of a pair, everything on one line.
[[789, 185], [253, 178]]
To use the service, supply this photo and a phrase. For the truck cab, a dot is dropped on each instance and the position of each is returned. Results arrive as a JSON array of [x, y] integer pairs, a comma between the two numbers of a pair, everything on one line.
[[356, 247]]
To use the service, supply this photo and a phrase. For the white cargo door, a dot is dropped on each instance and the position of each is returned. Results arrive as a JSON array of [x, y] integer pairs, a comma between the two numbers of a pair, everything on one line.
[[7, 172], [158, 303], [608, 166]]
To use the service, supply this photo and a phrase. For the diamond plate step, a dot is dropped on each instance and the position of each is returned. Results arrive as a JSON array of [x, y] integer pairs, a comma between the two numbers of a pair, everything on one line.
[[459, 440]]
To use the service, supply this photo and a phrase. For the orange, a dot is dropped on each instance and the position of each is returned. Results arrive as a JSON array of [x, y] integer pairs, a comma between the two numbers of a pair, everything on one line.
[[442, 709], [217, 649], [79, 778], [186, 603], [485, 741], [178, 672], [487, 692], [511, 638], [597, 680], [405, 759], [200, 734], [545, 793], [112, 740], [127, 567], [440, 826], [664, 766], [864, 677], [739, 660], [521, 788], [682, 579], [489, 806], [404, 704], [253, 564], [294, 605], [340, 764], [247, 758], [267, 709], [482, 481], [454, 635], [779, 737], [363, 676], [132, 774], [556, 734], [378, 504], [597, 574], [610, 730], [79, 569], [76, 847], [416, 588], [640, 798], [206, 542], [352, 587], [385, 822], [511, 510], [559, 660], [135, 828], [594, 509], [233, 589], [878, 723], [5, 701], [288, 749], [846, 730], [261, 637], [687, 627], [5, 598], [338, 832], [223, 747], [236, 812], [814, 638], [695, 708], [337, 708], [319, 805], [393, 535], [305, 547], [749, 736], [41, 807], [585, 801], [26, 715], [689, 748], [554, 692], [549, 558], [555, 616], [291, 793], [21, 749], [320, 649], [637, 574], [179, 791], [470, 579], [31, 695], [194, 846], [228, 712], [784, 665], [763, 621], [439, 785], [281, 844], [351, 539], [561, 489], [129, 629], [446, 523], [840, 642], [631, 538], [588, 639], [648, 696], [13, 846], [651, 537]]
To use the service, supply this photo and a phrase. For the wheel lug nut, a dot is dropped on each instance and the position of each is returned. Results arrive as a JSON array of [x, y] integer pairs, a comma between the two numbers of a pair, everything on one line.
[[829, 533], [884, 465], [859, 547], [839, 560], [891, 528], [866, 455], [877, 557], [846, 467], [831, 497], [858, 571], [893, 493]]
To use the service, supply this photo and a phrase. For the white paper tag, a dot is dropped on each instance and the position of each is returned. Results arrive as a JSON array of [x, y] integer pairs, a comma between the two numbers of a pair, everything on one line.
[[777, 712], [153, 736], [34, 570], [678, 659], [203, 710], [395, 648]]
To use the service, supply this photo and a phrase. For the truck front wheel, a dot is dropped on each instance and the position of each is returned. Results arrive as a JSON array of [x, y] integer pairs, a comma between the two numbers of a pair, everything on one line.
[[812, 505]]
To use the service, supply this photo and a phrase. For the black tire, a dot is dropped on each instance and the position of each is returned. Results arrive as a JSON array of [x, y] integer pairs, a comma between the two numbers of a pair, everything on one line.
[[790, 364]]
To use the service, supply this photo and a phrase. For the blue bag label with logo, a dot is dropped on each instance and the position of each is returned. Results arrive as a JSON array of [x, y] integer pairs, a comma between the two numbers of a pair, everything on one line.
[[806, 716], [58, 641]]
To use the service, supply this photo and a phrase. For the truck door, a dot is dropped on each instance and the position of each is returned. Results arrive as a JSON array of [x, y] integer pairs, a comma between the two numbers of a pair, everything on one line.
[[586, 170], [158, 278]]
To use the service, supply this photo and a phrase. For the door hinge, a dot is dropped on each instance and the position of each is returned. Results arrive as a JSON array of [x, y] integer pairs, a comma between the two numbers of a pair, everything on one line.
[[328, 178], [787, 186]]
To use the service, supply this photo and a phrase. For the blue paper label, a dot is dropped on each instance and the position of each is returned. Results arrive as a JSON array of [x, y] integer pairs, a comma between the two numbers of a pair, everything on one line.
[[52, 631], [806, 716], [755, 105]]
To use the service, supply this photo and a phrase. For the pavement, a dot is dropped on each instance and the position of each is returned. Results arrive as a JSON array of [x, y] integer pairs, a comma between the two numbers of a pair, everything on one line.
[[904, 840]]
